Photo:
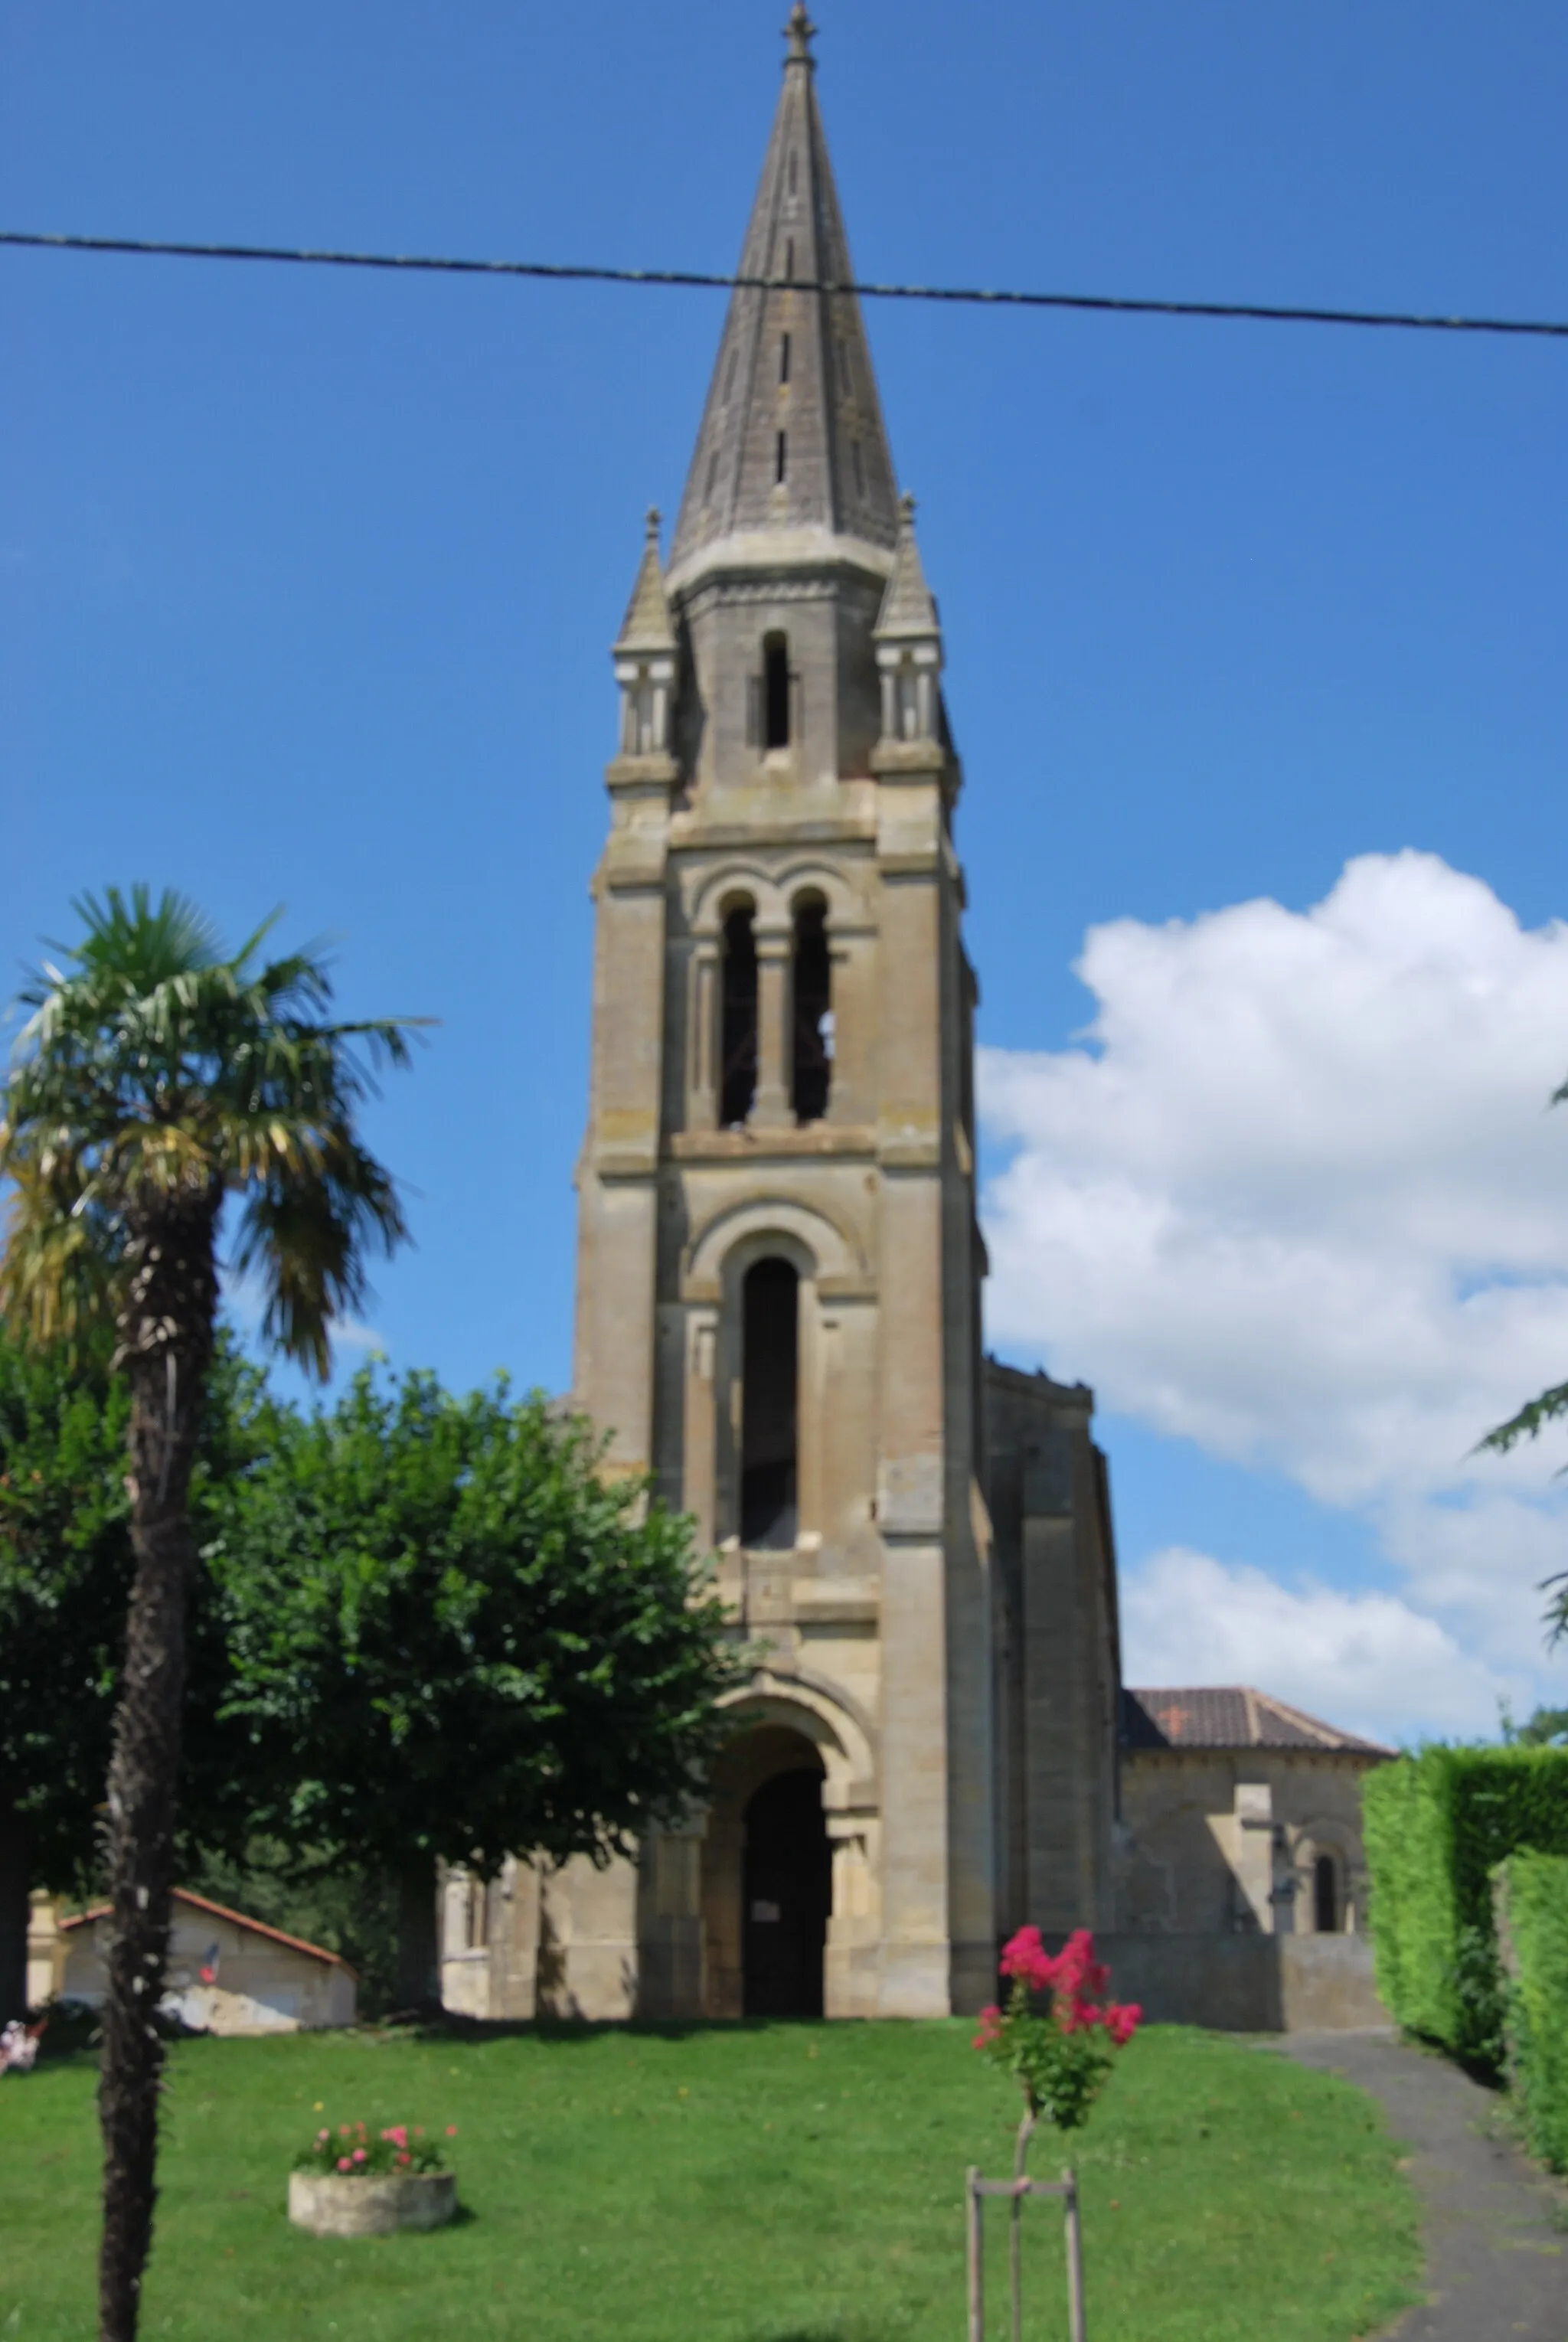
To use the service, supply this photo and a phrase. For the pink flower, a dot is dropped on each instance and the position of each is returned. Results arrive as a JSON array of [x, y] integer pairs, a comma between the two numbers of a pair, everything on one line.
[[1077, 1971], [452, 2130], [403, 2159], [344, 2164], [359, 2155], [1122, 2021], [344, 2131], [1023, 1956], [322, 2136], [990, 2026], [398, 2135]]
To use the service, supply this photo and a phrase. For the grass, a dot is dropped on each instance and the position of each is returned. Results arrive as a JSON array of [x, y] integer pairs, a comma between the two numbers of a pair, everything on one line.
[[768, 2183]]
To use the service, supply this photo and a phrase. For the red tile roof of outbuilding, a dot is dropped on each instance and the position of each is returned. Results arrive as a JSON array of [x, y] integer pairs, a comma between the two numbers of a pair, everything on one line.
[[222, 1911], [1230, 1717]]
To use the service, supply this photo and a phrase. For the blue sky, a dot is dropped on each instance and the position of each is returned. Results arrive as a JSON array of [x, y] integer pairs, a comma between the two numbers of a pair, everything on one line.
[[308, 581]]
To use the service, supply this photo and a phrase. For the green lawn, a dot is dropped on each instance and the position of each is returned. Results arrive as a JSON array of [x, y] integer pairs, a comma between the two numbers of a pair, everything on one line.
[[783, 2183]]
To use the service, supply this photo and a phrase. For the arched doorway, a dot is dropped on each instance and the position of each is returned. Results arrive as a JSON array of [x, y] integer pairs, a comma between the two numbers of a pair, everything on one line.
[[787, 1894], [766, 1848]]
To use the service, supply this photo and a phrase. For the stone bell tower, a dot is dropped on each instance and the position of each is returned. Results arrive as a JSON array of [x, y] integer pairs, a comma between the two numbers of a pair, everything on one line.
[[779, 1264], [779, 1270]]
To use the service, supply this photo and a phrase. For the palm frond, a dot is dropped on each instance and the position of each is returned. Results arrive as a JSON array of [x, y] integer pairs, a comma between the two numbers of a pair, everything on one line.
[[1530, 1421], [60, 1254], [308, 1239], [155, 1066]]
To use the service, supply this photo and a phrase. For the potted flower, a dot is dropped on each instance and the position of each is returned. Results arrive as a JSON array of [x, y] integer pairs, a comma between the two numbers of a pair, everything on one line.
[[348, 2183]]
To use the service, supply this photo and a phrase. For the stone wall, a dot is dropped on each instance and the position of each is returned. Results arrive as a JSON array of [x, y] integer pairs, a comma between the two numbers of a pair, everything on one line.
[[1247, 1984], [1222, 1841]]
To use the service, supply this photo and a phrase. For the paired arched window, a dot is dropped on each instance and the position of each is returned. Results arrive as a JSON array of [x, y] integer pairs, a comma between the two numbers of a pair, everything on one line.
[[770, 1405], [738, 1034], [811, 1076]]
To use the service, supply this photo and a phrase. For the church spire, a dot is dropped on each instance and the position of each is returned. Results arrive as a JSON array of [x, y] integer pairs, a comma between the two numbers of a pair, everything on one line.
[[792, 438]]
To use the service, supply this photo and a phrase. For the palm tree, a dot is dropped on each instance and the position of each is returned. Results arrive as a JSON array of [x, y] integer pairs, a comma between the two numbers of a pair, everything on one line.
[[156, 1077]]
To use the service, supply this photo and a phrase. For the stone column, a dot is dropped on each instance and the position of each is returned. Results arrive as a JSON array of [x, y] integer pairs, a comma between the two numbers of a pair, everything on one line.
[[703, 1038], [850, 1984], [698, 1489], [772, 1109]]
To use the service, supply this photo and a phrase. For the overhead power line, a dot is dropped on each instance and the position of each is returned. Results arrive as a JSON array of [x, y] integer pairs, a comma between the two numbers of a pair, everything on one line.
[[563, 272]]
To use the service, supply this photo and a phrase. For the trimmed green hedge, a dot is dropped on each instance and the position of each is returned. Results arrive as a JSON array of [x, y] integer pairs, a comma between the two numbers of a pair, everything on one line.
[[1535, 1900], [1436, 1826]]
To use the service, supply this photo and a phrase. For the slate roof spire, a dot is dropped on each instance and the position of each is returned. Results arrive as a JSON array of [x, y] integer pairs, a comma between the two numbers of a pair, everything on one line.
[[792, 438]]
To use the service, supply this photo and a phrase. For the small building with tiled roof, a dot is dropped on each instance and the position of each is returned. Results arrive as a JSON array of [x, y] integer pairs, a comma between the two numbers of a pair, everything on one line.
[[1240, 1814], [227, 1973]]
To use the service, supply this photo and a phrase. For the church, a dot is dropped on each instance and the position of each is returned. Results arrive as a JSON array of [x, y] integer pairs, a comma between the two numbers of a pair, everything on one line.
[[780, 1263]]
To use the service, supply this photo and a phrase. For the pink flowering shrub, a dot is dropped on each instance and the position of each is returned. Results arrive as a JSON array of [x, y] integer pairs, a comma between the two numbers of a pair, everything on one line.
[[351, 2150], [1060, 2054]]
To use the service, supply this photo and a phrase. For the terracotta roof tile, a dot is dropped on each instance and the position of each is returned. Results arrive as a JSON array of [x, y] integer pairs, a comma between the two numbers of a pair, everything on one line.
[[1229, 1716]]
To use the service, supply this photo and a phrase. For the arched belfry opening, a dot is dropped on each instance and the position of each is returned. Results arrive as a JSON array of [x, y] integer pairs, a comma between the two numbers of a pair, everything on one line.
[[1328, 1913], [787, 1894], [738, 1037], [770, 1405], [812, 1071]]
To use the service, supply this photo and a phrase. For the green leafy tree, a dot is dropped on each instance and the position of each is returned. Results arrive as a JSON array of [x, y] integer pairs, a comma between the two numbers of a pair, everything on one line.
[[157, 1078], [1546, 1728], [452, 1638], [64, 1579], [66, 1566]]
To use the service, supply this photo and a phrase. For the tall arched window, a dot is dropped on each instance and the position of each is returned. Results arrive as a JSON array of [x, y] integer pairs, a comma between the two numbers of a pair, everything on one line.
[[770, 1404], [813, 1052], [775, 691], [738, 1032], [1327, 1916]]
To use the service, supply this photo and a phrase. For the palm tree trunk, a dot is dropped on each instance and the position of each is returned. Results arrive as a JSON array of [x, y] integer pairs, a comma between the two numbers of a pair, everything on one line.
[[165, 1344]]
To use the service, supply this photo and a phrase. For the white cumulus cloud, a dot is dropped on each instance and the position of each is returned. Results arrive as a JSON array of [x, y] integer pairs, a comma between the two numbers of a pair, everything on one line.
[[1295, 1196], [1368, 1662]]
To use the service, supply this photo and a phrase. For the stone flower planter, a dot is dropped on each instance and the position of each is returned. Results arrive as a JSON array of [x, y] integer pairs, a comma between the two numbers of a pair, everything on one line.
[[330, 2204]]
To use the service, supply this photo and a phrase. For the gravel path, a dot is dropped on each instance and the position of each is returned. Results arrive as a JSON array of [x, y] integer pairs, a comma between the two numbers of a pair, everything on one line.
[[1496, 2243]]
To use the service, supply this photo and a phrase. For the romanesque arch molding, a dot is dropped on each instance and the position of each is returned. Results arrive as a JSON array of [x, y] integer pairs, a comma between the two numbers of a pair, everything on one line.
[[834, 1725], [720, 890], [724, 1248], [810, 875]]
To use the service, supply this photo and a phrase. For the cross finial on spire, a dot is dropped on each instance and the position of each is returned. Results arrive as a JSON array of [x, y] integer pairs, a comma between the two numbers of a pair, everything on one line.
[[907, 513], [800, 33], [654, 516]]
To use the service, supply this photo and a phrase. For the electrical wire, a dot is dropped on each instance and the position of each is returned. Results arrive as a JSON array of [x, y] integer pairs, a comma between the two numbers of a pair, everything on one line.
[[562, 272]]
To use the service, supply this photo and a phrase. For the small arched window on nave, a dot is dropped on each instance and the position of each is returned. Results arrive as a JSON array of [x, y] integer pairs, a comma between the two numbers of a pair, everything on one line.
[[1328, 1908]]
